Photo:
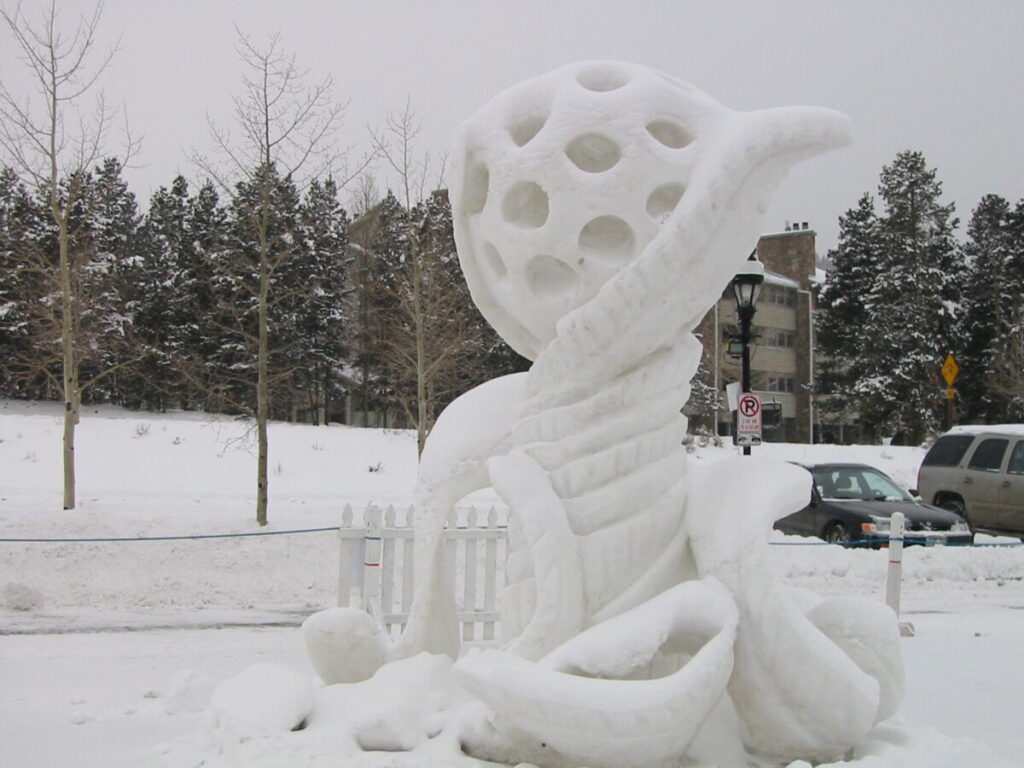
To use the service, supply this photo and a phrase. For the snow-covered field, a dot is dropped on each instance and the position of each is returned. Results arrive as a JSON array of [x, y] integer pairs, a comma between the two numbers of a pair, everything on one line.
[[109, 650]]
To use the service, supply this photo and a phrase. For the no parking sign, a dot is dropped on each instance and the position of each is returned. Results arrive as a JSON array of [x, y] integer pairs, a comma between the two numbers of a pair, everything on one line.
[[748, 419]]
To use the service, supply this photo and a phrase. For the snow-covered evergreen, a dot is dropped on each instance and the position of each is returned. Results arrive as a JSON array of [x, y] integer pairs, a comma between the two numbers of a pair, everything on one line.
[[843, 312], [993, 325], [892, 304]]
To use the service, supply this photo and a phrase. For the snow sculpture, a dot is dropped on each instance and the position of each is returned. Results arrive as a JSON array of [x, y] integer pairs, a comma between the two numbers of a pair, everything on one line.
[[599, 212]]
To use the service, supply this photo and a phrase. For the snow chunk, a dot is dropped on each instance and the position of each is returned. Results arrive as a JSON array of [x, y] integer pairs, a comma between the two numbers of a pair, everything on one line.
[[270, 698], [20, 597], [404, 705], [345, 645], [189, 692]]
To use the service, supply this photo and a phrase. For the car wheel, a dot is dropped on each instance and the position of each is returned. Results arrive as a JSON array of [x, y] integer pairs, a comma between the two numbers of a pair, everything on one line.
[[837, 533], [955, 505]]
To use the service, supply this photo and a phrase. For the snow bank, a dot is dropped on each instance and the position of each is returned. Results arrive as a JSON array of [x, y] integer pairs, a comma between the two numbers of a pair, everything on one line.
[[950, 662], [209, 489]]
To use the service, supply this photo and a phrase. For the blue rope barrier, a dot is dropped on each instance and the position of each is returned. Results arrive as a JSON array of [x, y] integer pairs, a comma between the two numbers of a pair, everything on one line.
[[906, 540], [845, 545], [173, 538]]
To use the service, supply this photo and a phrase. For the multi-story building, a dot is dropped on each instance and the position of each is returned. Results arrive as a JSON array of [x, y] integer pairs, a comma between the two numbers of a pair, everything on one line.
[[782, 356]]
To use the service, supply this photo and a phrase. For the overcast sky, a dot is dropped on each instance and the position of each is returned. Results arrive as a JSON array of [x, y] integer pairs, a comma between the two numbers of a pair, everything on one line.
[[940, 76]]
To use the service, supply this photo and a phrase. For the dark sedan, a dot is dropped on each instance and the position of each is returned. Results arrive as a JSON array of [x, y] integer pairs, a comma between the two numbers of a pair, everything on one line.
[[851, 504]]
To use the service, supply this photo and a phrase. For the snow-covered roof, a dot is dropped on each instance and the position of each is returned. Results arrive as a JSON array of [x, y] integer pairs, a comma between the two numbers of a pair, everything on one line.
[[774, 278], [1015, 430]]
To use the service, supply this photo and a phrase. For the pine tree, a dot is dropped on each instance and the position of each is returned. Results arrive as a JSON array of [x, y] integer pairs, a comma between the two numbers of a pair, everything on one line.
[[24, 271], [201, 272], [704, 401], [254, 297], [912, 308], [434, 344], [321, 313], [842, 314], [989, 301], [110, 266], [380, 261], [158, 299], [97, 238], [369, 244], [1004, 365]]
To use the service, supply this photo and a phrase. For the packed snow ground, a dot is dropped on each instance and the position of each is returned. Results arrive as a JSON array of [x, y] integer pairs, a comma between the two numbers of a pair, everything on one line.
[[77, 689]]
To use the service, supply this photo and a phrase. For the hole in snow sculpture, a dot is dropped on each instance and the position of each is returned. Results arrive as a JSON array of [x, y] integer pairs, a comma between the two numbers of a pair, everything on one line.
[[608, 239], [664, 199], [524, 130], [671, 134], [592, 153], [602, 77], [475, 188], [639, 589], [526, 205], [494, 261], [551, 279]]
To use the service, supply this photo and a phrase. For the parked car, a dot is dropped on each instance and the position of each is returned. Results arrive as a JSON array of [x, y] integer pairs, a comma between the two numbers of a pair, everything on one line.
[[853, 504], [978, 472]]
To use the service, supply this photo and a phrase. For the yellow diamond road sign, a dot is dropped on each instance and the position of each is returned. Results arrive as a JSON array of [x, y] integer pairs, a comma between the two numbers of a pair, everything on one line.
[[950, 370]]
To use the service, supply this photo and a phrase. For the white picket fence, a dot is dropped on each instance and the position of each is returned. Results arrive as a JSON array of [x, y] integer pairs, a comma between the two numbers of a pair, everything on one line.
[[376, 568]]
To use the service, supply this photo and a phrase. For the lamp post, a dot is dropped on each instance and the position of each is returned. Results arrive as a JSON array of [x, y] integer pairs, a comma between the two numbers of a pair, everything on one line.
[[746, 287]]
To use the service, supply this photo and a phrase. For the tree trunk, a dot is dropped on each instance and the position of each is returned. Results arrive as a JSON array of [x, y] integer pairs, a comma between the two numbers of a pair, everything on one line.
[[262, 389], [69, 363], [421, 362], [421, 393]]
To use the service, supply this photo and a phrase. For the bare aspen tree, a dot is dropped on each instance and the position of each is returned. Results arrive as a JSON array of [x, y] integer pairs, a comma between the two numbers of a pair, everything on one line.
[[288, 127], [434, 338], [52, 137], [365, 195], [395, 143]]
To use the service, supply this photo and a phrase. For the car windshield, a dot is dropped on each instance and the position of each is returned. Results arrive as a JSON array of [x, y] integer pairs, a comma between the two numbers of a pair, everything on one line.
[[856, 484]]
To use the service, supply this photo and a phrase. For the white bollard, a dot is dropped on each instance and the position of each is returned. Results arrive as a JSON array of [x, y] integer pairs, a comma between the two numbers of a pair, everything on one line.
[[371, 565], [897, 527]]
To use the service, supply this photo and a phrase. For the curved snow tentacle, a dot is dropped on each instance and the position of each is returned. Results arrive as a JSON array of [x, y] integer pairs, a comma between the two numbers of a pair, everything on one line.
[[557, 571], [474, 427], [798, 691], [864, 630], [566, 709]]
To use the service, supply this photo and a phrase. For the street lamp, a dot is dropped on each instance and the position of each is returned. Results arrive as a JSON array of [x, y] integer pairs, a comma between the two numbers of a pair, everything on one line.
[[746, 287]]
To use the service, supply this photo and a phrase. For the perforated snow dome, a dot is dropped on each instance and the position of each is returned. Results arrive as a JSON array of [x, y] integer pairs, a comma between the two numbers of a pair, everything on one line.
[[562, 180]]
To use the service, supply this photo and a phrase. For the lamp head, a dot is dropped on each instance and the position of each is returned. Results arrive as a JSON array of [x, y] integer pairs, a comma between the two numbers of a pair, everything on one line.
[[746, 285]]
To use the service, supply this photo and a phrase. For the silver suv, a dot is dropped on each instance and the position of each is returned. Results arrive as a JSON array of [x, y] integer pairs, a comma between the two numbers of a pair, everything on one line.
[[978, 472]]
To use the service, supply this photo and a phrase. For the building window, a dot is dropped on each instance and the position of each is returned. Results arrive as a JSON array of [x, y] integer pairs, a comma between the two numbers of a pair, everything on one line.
[[771, 415], [778, 338], [779, 383], [777, 294]]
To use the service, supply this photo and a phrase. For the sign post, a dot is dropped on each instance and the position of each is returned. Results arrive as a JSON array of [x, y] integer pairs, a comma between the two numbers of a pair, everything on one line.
[[748, 421], [950, 370]]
